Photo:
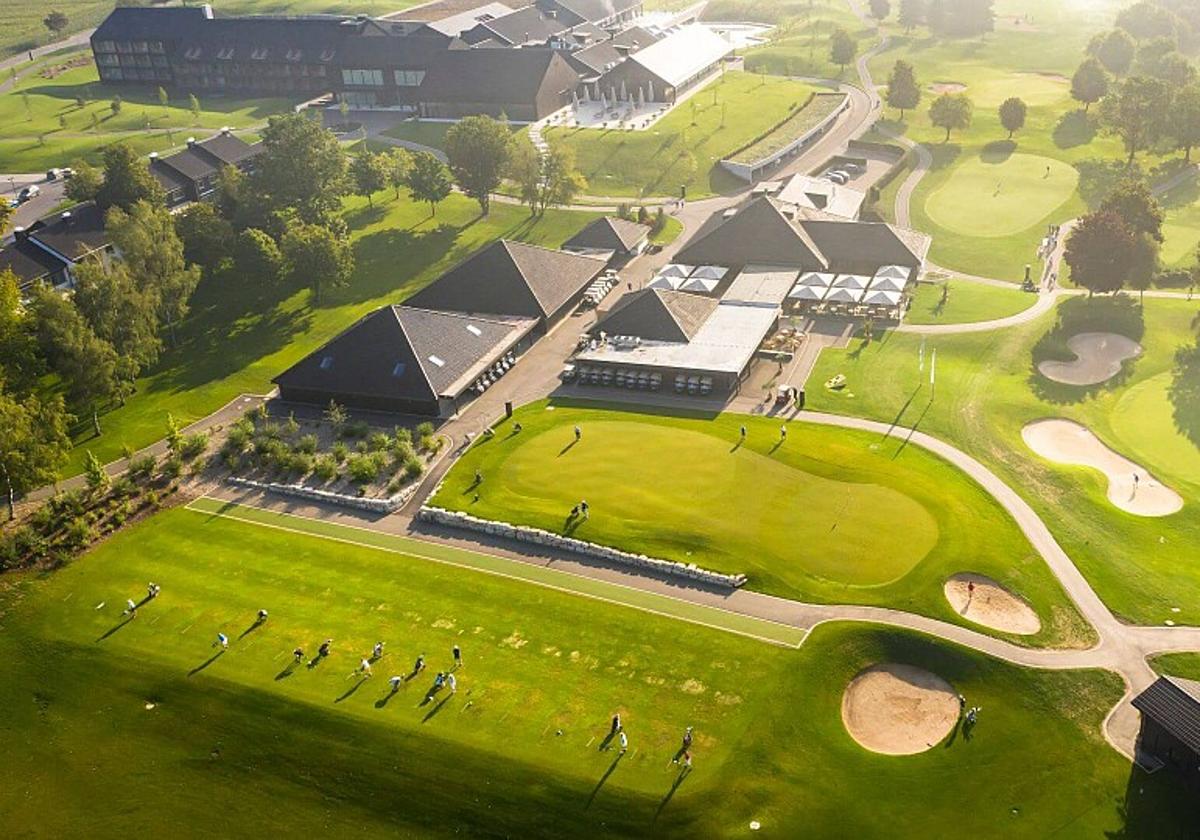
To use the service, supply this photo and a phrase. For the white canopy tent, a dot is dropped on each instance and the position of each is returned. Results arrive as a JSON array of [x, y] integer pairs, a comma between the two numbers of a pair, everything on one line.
[[844, 295], [807, 293], [883, 297], [892, 278], [699, 284], [821, 279], [896, 272], [710, 272], [857, 282], [662, 281]]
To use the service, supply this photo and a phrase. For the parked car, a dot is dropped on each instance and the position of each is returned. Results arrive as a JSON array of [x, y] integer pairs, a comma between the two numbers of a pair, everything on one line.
[[31, 191], [836, 177], [785, 395], [851, 167]]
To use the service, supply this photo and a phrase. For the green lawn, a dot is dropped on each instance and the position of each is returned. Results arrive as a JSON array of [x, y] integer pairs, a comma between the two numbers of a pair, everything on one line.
[[432, 134], [799, 46], [966, 302], [1186, 665], [814, 518], [987, 390], [669, 233], [238, 337], [1181, 228], [683, 148], [803, 120], [986, 201], [32, 138], [139, 728]]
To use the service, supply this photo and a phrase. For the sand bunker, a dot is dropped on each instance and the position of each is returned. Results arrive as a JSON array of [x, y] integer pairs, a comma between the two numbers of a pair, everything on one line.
[[899, 709], [1070, 443], [990, 604], [947, 87], [1099, 357]]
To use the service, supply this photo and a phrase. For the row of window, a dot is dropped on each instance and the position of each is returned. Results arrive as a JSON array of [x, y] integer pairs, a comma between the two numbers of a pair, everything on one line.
[[277, 70], [374, 78], [130, 47], [128, 74], [114, 60]]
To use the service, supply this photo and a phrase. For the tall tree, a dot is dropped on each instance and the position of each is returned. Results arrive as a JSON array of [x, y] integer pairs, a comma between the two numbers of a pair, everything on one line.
[[56, 22], [317, 257], [1099, 250], [1136, 111], [935, 16], [121, 314], [1114, 49], [1133, 202], [301, 170], [525, 170], [1090, 82], [478, 148], [1143, 265], [842, 48], [903, 92], [85, 184], [1145, 20], [150, 248], [912, 14], [6, 213], [398, 162], [561, 179], [1012, 114], [1184, 123], [33, 443], [20, 362], [429, 181], [127, 179], [951, 111], [86, 364], [205, 234], [369, 171], [257, 259], [1161, 59], [880, 9]]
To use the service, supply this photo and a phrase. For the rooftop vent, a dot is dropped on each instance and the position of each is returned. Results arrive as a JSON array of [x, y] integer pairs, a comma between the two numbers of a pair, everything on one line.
[[327, 363], [474, 330], [19, 234], [66, 218], [438, 360], [154, 156]]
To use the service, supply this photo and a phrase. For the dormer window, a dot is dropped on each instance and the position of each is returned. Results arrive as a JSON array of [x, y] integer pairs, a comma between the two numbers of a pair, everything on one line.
[[258, 53], [225, 53], [193, 53], [294, 55], [327, 55], [398, 370], [327, 363]]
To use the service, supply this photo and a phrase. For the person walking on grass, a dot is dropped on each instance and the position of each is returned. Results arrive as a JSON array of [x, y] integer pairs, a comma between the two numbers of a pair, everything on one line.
[[478, 476], [262, 616], [743, 433], [222, 640], [456, 652], [130, 608], [395, 683], [616, 725], [323, 650], [583, 507], [364, 668], [451, 682], [152, 590], [377, 651], [624, 741], [783, 432], [578, 434], [419, 665], [298, 654]]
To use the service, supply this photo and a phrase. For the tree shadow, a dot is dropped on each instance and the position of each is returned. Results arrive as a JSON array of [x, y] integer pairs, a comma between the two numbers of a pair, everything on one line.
[[1115, 313], [429, 715], [1074, 128], [997, 151], [1184, 392], [287, 672], [207, 662], [1098, 176], [943, 154]]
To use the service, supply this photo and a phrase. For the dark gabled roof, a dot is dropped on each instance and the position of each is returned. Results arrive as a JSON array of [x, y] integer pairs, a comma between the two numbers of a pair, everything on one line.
[[609, 233], [1174, 704], [28, 262], [313, 39], [170, 179], [499, 77], [79, 234], [415, 50], [597, 57], [861, 246], [757, 233], [130, 23], [440, 10], [512, 279], [191, 164], [524, 26], [593, 10], [227, 149], [658, 315], [403, 353]]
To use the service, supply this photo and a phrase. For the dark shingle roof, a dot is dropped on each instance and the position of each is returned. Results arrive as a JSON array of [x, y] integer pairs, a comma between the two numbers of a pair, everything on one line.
[[758, 233], [170, 178], [598, 56], [227, 149], [130, 23], [413, 51], [860, 246], [494, 76], [1174, 704], [510, 278], [609, 233], [593, 10], [440, 10], [80, 233], [190, 163], [658, 315], [399, 352], [527, 25], [28, 262]]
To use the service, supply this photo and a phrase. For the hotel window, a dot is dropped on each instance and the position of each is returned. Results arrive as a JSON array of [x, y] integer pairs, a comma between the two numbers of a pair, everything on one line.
[[363, 78], [157, 47], [193, 53], [141, 47], [225, 53], [294, 55], [108, 60], [409, 78], [124, 47]]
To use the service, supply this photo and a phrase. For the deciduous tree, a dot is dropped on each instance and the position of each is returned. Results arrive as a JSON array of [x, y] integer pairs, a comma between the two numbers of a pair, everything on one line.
[[478, 149], [842, 48], [1090, 82], [33, 443], [1136, 111], [429, 181], [127, 180], [20, 362], [399, 163], [205, 234], [56, 22], [1132, 200], [951, 111], [880, 9], [912, 14], [1012, 114], [301, 170], [903, 92], [257, 259], [1115, 50], [1184, 122], [316, 257], [85, 184], [369, 171], [1099, 250], [119, 313]]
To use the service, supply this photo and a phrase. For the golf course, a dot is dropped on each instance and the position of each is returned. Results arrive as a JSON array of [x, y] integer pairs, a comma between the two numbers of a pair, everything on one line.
[[145, 726], [811, 517]]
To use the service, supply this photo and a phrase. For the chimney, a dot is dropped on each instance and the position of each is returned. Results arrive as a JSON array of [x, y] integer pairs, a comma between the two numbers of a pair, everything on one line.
[[552, 14], [207, 10], [226, 130], [153, 156], [191, 141], [19, 234], [66, 218]]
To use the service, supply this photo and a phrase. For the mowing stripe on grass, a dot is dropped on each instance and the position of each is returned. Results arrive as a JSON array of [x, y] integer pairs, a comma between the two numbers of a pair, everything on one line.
[[613, 593]]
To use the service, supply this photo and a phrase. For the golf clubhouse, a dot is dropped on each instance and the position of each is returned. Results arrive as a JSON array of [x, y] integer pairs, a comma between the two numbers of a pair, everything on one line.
[[701, 321], [452, 340], [1170, 732]]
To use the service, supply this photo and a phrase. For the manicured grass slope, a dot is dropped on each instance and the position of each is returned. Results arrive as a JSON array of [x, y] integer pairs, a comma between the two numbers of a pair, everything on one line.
[[683, 148], [236, 748], [238, 337], [987, 391], [966, 302], [814, 518]]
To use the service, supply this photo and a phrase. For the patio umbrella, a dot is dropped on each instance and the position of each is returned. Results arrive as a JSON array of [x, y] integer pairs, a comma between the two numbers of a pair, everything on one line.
[[662, 282], [817, 278], [851, 281], [710, 272], [624, 91], [806, 293], [650, 90], [676, 270], [698, 284]]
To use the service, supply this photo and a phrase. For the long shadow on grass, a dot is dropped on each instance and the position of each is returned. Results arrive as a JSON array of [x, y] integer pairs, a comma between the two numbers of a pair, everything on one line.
[[1116, 314], [114, 629], [348, 693], [683, 773], [1156, 805], [1184, 392], [612, 767], [206, 663], [997, 151], [1074, 128]]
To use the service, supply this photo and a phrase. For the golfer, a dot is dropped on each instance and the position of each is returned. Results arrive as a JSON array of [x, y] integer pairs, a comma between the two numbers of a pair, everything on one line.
[[130, 608], [323, 650], [364, 668], [743, 432], [298, 654], [222, 640], [395, 682], [578, 433], [262, 616], [616, 725], [419, 665], [452, 682], [624, 742], [377, 651], [783, 432], [457, 654]]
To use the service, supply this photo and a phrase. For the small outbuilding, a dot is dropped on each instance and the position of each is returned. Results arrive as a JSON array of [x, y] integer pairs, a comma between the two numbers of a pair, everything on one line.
[[1170, 731], [611, 238]]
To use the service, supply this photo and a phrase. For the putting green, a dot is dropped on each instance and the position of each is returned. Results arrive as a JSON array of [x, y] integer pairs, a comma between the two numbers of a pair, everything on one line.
[[994, 197], [1034, 89], [692, 486], [1143, 421]]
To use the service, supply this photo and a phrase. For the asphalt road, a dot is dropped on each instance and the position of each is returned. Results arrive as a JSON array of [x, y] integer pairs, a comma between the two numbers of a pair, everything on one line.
[[52, 192]]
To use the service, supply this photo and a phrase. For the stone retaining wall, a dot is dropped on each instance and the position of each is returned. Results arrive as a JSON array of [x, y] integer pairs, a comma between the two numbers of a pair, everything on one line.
[[300, 491], [523, 533]]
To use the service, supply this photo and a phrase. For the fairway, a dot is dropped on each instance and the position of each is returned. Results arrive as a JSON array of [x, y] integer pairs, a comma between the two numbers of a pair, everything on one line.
[[814, 517], [143, 729], [992, 199], [1142, 421], [966, 302]]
